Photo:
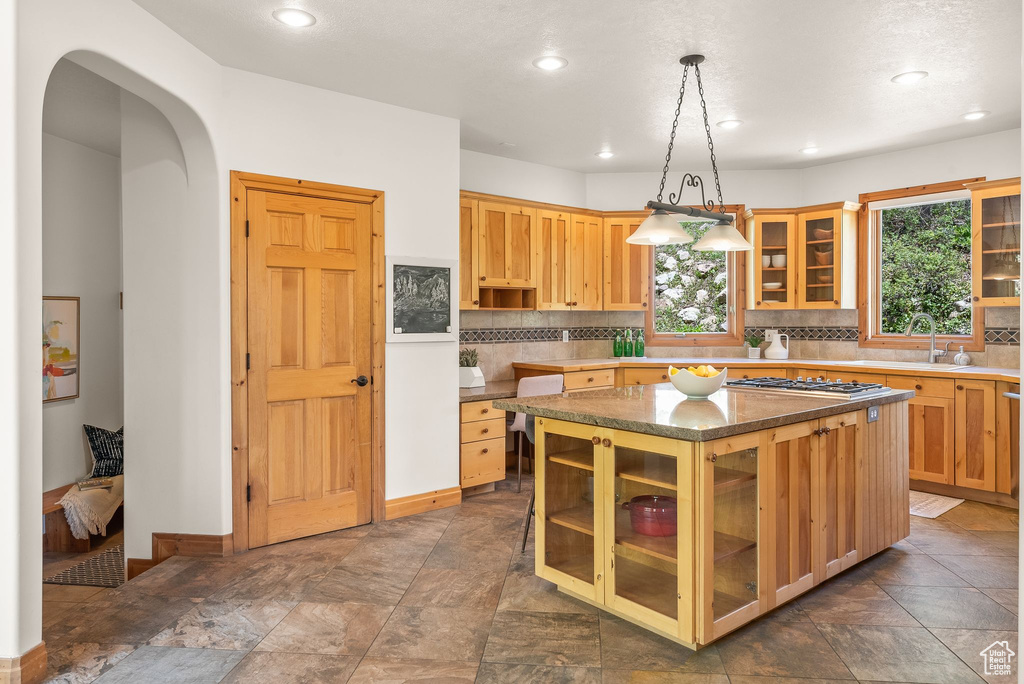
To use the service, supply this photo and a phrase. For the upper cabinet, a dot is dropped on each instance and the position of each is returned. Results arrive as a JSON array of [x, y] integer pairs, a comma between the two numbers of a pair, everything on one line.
[[627, 268], [508, 245], [772, 266], [826, 251], [469, 242], [586, 263], [996, 242], [554, 287]]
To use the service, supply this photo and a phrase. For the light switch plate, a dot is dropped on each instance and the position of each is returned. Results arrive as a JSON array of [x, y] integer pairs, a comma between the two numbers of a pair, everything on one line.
[[872, 414]]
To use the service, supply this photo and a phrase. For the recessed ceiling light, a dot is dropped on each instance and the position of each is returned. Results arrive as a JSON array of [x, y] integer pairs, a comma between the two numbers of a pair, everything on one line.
[[605, 154], [910, 77], [294, 17], [550, 62], [974, 116], [810, 150], [729, 123]]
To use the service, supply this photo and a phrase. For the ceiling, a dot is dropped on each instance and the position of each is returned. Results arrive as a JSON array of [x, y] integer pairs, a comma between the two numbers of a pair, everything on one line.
[[83, 107], [797, 73]]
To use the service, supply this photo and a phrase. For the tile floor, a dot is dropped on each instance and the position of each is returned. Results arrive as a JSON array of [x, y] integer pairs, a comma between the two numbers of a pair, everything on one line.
[[447, 597]]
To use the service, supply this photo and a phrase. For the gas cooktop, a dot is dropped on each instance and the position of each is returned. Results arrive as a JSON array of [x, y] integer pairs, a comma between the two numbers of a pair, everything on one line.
[[812, 386]]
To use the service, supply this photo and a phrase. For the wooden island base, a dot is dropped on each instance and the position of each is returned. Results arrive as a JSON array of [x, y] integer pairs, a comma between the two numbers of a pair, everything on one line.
[[759, 517]]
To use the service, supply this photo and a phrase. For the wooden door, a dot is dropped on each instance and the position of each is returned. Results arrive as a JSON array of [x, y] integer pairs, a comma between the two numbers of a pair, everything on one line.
[[975, 434], [508, 245], [931, 439], [586, 247], [840, 474], [627, 268], [792, 502], [309, 271], [469, 247], [774, 236], [649, 578], [553, 261], [819, 256]]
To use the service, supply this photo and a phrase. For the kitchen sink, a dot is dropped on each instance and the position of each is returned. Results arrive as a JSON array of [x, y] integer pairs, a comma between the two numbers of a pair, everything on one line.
[[907, 365]]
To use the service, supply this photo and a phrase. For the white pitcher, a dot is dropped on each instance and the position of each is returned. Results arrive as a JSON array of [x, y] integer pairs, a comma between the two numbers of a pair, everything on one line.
[[775, 350]]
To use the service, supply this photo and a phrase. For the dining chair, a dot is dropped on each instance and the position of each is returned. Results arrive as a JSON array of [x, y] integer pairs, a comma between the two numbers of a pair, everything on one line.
[[535, 386]]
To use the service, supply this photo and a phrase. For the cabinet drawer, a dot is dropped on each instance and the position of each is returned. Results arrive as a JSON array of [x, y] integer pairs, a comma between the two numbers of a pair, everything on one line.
[[925, 387], [483, 462], [644, 376], [473, 411], [741, 373], [483, 429], [844, 375], [588, 379]]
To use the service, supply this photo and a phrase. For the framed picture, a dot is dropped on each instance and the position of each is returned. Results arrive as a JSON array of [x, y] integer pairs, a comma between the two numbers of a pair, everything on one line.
[[421, 303], [61, 337]]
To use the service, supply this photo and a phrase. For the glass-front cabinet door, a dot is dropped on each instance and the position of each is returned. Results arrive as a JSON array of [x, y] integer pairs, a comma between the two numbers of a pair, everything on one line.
[[773, 265], [728, 530], [995, 249], [820, 254], [569, 533], [649, 530]]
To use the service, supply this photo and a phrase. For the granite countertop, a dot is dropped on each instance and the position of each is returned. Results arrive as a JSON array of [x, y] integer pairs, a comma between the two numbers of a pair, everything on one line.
[[877, 367], [496, 389], [661, 410]]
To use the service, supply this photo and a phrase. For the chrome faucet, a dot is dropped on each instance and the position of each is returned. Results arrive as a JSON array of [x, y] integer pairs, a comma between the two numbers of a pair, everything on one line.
[[934, 353]]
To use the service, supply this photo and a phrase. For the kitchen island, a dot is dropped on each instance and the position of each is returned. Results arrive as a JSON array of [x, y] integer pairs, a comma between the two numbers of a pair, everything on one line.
[[693, 517]]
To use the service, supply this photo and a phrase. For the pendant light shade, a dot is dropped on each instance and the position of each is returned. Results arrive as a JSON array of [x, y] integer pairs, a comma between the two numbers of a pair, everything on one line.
[[722, 237], [660, 228]]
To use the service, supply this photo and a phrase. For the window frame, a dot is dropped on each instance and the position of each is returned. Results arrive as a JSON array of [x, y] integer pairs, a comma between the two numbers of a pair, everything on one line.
[[869, 277], [736, 287]]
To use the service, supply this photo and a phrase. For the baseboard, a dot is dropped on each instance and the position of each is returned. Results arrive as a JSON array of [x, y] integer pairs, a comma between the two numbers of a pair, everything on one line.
[[26, 669], [167, 544], [421, 503], [996, 498]]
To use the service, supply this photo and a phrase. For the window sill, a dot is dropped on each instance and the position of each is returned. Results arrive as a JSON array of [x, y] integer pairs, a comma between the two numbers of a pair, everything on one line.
[[693, 340], [968, 342]]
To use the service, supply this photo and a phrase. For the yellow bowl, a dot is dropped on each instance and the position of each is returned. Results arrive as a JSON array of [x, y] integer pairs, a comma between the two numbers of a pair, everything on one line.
[[696, 387]]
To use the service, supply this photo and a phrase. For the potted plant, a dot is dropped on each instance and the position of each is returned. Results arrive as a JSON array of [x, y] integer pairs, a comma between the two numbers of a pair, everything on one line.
[[754, 351], [470, 374]]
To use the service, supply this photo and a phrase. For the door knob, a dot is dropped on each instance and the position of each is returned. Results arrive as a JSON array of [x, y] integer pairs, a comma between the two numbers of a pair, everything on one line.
[[361, 380]]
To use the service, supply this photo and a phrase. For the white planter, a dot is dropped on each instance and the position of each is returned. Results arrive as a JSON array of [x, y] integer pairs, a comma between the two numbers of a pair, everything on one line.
[[471, 377], [753, 352]]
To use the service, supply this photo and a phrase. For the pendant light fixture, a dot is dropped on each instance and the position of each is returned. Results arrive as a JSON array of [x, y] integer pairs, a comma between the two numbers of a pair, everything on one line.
[[663, 226]]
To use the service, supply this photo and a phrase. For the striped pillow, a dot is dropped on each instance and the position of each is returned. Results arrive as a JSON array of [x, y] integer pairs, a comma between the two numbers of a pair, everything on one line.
[[107, 451]]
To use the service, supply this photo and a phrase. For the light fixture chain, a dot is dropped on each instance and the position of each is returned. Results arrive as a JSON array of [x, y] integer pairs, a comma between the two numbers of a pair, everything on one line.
[[707, 127], [672, 137]]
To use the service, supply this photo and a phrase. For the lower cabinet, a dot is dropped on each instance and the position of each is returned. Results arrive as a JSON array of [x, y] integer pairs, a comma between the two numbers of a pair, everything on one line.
[[482, 448], [693, 540], [975, 434]]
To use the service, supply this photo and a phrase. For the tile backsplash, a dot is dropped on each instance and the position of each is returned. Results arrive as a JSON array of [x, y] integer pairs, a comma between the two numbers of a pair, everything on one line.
[[504, 337]]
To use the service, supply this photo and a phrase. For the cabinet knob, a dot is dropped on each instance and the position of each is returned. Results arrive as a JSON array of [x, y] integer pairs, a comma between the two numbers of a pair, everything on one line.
[[482, 278], [606, 442], [828, 430], [484, 450], [759, 303], [645, 305], [590, 379], [484, 410], [485, 431], [974, 298], [664, 377], [960, 387], [835, 301], [596, 440], [476, 301], [917, 387], [713, 457]]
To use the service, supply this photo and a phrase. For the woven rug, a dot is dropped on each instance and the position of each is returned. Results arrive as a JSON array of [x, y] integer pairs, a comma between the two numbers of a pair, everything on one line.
[[102, 570], [925, 505]]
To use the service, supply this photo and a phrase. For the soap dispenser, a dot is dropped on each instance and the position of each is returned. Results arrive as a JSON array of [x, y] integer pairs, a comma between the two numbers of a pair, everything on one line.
[[963, 358]]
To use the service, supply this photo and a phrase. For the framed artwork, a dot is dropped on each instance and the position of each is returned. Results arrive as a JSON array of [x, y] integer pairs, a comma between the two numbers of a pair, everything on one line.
[[61, 337], [421, 299]]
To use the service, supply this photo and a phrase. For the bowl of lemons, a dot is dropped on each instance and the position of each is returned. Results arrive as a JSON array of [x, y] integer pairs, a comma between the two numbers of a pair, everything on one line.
[[697, 382]]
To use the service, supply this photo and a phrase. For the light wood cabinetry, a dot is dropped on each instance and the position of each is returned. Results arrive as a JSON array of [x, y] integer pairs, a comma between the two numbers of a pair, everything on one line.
[[773, 235], [995, 242], [554, 257], [745, 373], [975, 434], [586, 265], [760, 518], [826, 240], [482, 452], [1008, 438], [469, 246], [573, 381], [627, 268], [930, 431]]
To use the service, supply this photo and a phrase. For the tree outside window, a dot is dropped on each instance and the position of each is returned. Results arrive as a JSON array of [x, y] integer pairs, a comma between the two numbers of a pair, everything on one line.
[[691, 288]]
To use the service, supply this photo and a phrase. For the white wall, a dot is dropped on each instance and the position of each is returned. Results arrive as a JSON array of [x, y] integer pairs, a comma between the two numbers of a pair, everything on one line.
[[500, 176], [632, 191], [82, 248]]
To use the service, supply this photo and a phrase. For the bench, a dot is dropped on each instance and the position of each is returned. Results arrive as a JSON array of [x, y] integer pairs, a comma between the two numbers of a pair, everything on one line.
[[56, 531]]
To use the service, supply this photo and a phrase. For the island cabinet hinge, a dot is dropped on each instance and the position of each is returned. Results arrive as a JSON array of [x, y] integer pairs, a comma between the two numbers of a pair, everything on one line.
[[247, 228], [248, 492], [247, 361]]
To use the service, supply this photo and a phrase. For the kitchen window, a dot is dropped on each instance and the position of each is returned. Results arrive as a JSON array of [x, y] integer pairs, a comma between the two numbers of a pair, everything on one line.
[[917, 249], [694, 295]]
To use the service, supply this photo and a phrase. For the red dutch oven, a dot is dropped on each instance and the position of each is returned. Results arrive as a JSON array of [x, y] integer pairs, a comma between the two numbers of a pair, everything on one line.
[[652, 515]]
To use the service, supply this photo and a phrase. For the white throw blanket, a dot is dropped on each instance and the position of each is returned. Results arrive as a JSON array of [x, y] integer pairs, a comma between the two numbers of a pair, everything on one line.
[[89, 512]]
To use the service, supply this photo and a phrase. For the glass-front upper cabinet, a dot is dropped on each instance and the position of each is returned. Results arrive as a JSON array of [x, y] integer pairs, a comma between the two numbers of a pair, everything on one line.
[[996, 242], [568, 533], [772, 265], [729, 531], [826, 249], [649, 530]]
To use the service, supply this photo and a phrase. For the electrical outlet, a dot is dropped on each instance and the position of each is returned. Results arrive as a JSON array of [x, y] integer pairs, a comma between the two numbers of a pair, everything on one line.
[[565, 335], [872, 414]]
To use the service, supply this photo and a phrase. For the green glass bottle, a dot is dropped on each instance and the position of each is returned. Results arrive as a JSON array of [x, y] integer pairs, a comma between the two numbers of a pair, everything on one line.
[[638, 346], [617, 345], [627, 349]]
